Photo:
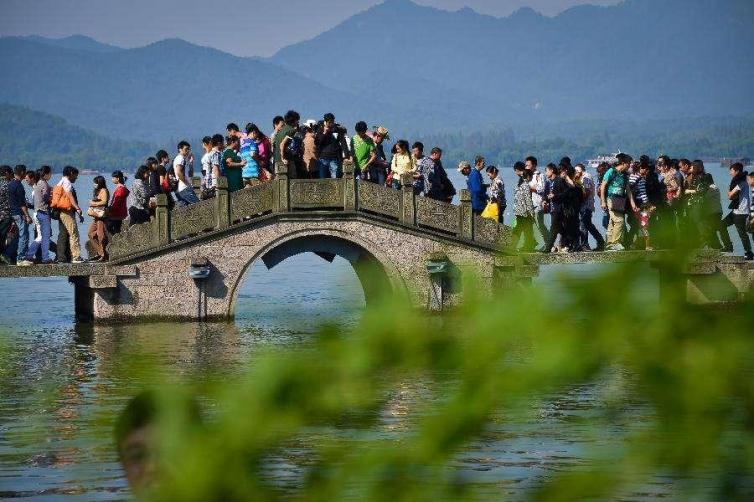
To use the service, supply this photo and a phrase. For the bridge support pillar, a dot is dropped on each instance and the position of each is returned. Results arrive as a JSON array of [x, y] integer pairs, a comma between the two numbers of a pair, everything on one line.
[[83, 299], [408, 204], [282, 197], [162, 220], [466, 225], [223, 203], [349, 187]]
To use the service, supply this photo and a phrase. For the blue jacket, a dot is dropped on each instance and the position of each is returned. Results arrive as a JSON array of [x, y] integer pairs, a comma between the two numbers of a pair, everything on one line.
[[478, 192]]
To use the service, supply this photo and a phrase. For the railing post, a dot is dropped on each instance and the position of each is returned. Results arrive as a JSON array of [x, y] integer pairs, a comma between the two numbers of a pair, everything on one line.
[[196, 183], [466, 225], [350, 187], [222, 199], [162, 220], [408, 206], [282, 189]]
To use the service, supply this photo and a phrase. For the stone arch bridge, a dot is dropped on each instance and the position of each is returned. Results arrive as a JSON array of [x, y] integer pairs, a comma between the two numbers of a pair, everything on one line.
[[410, 246]]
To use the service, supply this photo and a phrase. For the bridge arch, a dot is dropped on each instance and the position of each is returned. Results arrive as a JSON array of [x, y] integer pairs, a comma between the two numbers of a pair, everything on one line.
[[376, 271]]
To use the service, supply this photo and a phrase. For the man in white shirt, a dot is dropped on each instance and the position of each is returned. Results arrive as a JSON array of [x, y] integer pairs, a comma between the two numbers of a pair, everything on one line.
[[183, 167], [537, 186]]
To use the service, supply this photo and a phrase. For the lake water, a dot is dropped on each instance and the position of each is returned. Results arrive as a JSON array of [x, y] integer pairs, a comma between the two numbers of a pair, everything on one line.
[[61, 385]]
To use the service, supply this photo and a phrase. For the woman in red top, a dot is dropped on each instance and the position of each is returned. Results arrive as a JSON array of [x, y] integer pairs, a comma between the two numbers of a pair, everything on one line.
[[118, 210]]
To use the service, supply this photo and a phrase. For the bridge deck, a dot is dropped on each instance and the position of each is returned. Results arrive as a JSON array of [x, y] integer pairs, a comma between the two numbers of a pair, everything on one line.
[[54, 270], [534, 259]]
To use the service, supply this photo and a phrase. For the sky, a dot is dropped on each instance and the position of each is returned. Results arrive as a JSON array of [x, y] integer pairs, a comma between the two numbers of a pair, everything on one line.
[[241, 27]]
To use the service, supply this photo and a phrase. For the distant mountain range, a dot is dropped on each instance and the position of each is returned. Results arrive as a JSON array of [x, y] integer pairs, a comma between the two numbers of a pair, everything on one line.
[[636, 59], [413, 68], [36, 138]]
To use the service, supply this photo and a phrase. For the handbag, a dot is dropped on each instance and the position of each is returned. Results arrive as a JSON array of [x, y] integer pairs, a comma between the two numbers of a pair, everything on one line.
[[96, 212], [492, 211]]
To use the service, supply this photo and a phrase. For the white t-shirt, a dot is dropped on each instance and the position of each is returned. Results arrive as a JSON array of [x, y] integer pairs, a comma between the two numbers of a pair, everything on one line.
[[66, 184], [179, 165]]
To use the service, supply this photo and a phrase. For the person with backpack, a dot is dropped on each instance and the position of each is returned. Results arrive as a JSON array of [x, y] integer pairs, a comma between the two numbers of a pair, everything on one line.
[[183, 170], [615, 194], [285, 148], [332, 147], [440, 187], [64, 200], [118, 208]]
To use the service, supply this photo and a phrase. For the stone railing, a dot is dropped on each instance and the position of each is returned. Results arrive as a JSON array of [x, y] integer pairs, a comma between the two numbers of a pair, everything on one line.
[[290, 195]]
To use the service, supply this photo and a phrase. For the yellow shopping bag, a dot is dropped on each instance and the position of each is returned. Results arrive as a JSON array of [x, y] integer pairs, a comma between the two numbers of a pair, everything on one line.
[[492, 211]]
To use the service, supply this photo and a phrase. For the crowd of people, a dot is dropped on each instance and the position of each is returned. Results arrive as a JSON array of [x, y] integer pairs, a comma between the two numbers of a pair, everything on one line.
[[646, 204], [637, 197]]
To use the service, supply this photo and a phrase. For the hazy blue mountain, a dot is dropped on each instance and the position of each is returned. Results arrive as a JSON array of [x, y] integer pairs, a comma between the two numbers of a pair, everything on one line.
[[35, 138], [76, 42], [636, 59], [173, 89]]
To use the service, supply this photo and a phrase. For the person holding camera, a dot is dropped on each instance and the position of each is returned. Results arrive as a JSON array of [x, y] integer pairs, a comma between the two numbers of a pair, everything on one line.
[[331, 145]]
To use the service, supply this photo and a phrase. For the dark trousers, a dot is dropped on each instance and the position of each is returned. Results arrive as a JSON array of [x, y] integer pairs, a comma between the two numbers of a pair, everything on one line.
[[63, 247], [525, 226], [739, 221], [4, 226], [556, 228], [587, 227]]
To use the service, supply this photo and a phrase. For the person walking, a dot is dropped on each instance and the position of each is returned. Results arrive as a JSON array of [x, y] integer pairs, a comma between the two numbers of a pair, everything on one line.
[[364, 151], [97, 233], [117, 210], [523, 209], [379, 168], [440, 187], [401, 163], [41, 194], [249, 153], [285, 134], [138, 209], [537, 186], [697, 224], [6, 220], [309, 156], [497, 191], [332, 148], [740, 202], [233, 163], [64, 199], [555, 194], [20, 213], [615, 195], [475, 184], [586, 211], [183, 168], [423, 169]]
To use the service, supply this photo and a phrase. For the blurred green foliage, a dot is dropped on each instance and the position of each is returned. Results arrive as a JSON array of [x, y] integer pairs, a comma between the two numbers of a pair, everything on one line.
[[688, 367]]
